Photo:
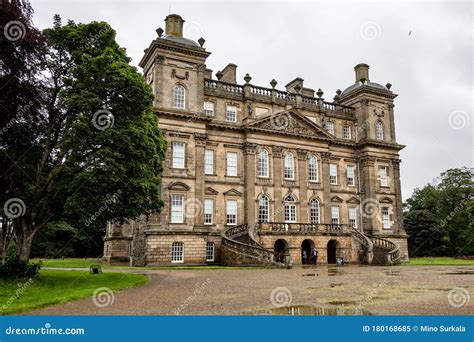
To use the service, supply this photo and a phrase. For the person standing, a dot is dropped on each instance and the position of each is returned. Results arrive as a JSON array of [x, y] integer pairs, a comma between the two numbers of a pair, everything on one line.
[[304, 256], [314, 256]]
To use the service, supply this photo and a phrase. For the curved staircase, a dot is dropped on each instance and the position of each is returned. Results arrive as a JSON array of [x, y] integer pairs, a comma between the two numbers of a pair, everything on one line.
[[239, 248], [386, 252]]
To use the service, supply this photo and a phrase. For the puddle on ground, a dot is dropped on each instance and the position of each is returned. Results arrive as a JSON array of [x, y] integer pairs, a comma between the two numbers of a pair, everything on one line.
[[309, 310], [335, 272], [335, 284], [392, 272], [343, 302], [459, 273]]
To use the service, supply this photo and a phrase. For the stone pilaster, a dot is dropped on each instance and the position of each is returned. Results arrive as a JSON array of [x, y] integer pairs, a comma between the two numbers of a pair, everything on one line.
[[250, 176], [278, 212], [398, 206], [392, 122], [303, 182], [370, 209], [200, 143], [325, 159]]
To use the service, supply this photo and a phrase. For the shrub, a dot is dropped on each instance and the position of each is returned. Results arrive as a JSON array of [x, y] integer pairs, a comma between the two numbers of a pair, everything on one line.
[[13, 267]]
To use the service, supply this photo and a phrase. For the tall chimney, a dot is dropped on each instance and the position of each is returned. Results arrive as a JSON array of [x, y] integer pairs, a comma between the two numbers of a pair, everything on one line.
[[174, 25], [361, 72]]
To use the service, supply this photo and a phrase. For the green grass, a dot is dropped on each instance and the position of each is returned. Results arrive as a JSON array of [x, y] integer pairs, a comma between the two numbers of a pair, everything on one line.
[[438, 261], [55, 286]]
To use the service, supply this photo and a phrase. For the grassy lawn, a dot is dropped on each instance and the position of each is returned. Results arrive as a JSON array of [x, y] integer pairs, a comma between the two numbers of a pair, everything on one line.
[[55, 286], [438, 261]]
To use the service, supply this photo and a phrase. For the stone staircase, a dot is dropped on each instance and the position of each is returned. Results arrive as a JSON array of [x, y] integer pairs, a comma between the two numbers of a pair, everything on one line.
[[376, 250]]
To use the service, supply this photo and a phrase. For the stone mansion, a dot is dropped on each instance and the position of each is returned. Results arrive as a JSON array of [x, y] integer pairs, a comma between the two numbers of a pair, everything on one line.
[[260, 176]]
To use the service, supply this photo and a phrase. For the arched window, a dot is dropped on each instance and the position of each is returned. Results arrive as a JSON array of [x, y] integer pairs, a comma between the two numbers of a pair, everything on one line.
[[263, 163], [179, 96], [289, 172], [313, 169], [379, 130], [263, 209], [314, 210], [290, 209]]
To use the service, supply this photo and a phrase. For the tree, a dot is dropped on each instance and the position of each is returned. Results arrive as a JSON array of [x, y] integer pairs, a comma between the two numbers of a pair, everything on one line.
[[97, 151]]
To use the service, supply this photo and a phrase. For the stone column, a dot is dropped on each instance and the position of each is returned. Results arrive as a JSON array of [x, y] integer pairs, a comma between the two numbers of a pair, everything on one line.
[[158, 71], [201, 69], [200, 146], [303, 182], [392, 122], [398, 207], [249, 179], [370, 207], [325, 159], [278, 212]]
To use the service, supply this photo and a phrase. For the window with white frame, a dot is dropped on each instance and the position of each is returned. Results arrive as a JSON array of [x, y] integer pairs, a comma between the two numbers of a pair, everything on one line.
[[179, 154], [209, 162], [177, 252], [333, 174], [263, 209], [335, 214], [231, 214], [346, 132], [210, 251], [314, 210], [290, 209], [383, 175], [232, 163], [179, 96], [313, 175], [330, 127], [289, 166], [262, 164], [386, 217], [209, 108], [231, 114], [353, 217], [350, 175], [177, 208], [208, 211], [379, 130]]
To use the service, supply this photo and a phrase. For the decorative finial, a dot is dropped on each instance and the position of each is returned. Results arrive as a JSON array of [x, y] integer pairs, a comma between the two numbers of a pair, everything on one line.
[[338, 92], [362, 80], [219, 75], [273, 83], [388, 85], [159, 31], [247, 78], [320, 93], [297, 88], [336, 98], [201, 41]]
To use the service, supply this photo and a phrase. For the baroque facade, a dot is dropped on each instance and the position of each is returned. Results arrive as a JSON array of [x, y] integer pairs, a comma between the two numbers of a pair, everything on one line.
[[256, 175]]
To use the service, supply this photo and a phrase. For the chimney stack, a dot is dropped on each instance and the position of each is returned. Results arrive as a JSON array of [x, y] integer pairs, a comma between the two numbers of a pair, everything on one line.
[[361, 72], [174, 25]]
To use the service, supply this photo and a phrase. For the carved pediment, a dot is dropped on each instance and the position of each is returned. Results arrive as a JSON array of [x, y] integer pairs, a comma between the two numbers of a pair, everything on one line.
[[232, 192], [288, 122], [336, 199], [211, 191], [386, 200], [178, 186], [353, 200]]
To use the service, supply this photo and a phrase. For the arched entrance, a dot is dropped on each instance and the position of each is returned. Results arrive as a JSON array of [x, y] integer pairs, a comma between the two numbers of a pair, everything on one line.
[[306, 248], [332, 248], [280, 248]]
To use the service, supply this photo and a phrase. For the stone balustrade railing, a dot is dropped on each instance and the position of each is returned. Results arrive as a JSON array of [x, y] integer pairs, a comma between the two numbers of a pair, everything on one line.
[[392, 249], [304, 228]]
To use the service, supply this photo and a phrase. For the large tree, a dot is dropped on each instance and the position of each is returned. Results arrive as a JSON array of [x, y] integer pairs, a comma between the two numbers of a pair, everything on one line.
[[96, 151]]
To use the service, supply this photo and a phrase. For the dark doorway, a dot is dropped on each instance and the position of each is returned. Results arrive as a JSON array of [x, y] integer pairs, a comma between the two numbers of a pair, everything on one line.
[[280, 249], [332, 247], [306, 248]]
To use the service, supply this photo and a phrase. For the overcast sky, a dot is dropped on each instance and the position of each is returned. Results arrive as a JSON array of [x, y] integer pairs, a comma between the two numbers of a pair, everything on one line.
[[424, 49]]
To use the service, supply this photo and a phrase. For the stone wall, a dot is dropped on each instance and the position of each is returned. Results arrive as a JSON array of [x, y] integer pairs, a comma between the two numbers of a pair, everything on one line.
[[117, 249]]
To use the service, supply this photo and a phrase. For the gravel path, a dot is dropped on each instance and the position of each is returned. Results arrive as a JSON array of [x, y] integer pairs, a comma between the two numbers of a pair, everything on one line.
[[401, 290]]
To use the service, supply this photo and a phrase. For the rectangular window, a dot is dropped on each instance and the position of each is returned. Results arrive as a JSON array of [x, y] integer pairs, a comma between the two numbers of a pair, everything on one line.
[[210, 251], [231, 113], [208, 211], [333, 174], [209, 162], [177, 208], [346, 132], [232, 164], [231, 216], [386, 217], [350, 175], [178, 149], [209, 108], [383, 175], [353, 217], [177, 252], [330, 127], [335, 214]]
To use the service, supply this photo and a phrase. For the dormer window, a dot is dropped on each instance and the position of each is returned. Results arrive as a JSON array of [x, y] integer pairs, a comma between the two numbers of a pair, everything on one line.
[[179, 97]]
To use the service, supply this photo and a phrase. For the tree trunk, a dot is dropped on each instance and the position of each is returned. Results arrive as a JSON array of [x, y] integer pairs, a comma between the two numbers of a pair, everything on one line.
[[25, 233]]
